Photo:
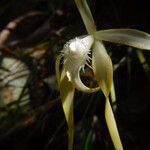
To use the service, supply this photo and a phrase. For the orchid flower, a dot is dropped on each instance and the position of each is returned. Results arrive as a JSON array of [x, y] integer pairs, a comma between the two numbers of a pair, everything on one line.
[[75, 55]]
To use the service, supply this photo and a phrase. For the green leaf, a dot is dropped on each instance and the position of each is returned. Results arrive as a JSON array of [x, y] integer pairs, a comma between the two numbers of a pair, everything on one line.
[[86, 16], [102, 67], [144, 63], [112, 127], [67, 95], [57, 63], [130, 37], [88, 140], [113, 97]]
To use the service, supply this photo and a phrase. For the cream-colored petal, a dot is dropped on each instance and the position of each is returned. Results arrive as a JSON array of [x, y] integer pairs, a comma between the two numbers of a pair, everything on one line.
[[130, 37], [67, 95], [112, 127], [86, 16], [102, 67]]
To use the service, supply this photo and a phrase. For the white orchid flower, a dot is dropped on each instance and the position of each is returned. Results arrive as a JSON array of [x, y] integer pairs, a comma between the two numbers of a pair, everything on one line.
[[75, 56]]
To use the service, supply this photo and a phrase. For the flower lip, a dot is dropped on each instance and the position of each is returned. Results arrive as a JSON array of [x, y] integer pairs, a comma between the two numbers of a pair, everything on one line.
[[78, 47], [76, 55]]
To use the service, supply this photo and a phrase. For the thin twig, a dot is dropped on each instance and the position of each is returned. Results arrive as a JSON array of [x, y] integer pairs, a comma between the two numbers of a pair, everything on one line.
[[5, 33]]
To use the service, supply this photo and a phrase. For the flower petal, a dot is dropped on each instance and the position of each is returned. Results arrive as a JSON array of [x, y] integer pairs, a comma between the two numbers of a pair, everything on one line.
[[130, 37], [67, 95], [86, 16], [112, 127], [102, 67]]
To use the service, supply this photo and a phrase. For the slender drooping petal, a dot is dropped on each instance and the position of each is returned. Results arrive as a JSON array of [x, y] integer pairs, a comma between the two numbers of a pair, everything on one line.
[[67, 95], [102, 67], [130, 37], [112, 127], [86, 16]]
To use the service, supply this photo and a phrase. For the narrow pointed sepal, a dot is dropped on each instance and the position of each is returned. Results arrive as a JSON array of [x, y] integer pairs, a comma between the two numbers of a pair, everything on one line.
[[112, 127], [102, 67], [67, 95], [86, 16], [130, 37]]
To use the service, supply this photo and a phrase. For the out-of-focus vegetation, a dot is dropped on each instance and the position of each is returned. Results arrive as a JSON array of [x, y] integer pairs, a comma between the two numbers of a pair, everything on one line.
[[31, 35]]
